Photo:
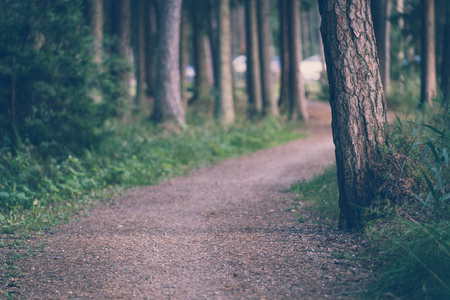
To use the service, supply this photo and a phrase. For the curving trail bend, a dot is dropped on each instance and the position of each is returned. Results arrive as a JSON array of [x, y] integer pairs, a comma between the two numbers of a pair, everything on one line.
[[222, 232]]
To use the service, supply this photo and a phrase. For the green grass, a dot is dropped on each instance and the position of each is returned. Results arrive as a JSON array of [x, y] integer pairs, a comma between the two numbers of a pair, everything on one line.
[[36, 194], [322, 192], [409, 236]]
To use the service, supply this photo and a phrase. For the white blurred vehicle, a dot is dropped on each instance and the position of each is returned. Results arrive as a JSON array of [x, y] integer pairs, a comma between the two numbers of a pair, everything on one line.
[[311, 68]]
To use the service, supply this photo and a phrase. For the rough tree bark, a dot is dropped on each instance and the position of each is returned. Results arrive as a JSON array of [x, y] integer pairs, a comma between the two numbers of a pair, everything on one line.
[[298, 108], [253, 69], [168, 106], [428, 53], [224, 109], [357, 103], [266, 53]]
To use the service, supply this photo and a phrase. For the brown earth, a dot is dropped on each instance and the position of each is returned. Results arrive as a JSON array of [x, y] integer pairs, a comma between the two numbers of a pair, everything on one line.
[[222, 232]]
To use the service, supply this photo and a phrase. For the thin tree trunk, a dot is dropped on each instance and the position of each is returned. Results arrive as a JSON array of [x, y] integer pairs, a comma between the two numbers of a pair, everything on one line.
[[141, 68], [124, 35], [298, 106], [445, 71], [241, 30], [224, 107], [266, 52], [209, 62], [284, 98], [202, 89], [151, 33], [386, 68], [96, 24], [184, 53], [428, 55], [168, 106], [304, 33], [253, 67], [380, 24], [357, 103]]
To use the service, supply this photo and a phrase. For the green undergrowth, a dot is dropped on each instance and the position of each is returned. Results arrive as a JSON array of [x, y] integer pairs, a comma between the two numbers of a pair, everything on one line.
[[320, 193], [409, 231], [36, 193]]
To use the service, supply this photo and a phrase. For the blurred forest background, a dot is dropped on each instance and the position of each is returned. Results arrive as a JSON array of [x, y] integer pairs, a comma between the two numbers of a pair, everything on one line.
[[70, 67], [102, 93]]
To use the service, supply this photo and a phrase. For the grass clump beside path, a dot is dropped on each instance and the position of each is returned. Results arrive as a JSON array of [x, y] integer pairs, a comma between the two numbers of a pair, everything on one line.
[[37, 193], [409, 235]]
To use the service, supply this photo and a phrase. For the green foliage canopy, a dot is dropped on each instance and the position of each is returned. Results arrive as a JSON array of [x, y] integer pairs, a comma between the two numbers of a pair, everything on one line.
[[46, 74]]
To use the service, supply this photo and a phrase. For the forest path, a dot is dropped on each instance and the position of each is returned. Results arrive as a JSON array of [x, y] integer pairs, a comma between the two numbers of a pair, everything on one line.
[[223, 232]]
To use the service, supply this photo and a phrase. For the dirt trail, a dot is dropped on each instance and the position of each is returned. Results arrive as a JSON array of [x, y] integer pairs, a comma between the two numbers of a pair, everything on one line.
[[223, 232]]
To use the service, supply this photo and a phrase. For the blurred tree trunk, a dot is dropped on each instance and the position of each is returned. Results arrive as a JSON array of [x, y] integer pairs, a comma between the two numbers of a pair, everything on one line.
[[184, 52], [121, 28], [304, 33], [241, 30], [428, 53], [445, 71], [357, 103], [213, 18], [253, 68], [266, 52], [95, 8], [141, 67], [151, 37], [209, 61], [381, 14], [298, 107], [96, 20], [386, 67], [124, 34], [202, 92], [168, 107], [224, 107], [284, 99]]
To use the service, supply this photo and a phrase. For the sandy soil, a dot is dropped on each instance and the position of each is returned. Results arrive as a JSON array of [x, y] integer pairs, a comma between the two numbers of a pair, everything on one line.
[[223, 232]]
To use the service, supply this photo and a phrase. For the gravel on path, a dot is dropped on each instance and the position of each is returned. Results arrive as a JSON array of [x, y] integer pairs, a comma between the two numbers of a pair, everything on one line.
[[222, 232]]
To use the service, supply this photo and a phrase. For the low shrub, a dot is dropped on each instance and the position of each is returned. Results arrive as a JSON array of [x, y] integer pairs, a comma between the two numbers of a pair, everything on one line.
[[130, 155]]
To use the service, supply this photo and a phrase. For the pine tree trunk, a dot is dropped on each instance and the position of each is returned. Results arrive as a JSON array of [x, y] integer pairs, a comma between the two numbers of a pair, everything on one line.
[[381, 12], [224, 107], [96, 23], [357, 103], [241, 30], [253, 67], [428, 53], [445, 71], [284, 98], [298, 107], [386, 68], [141, 68], [124, 35], [168, 106], [151, 32], [121, 28], [266, 52], [184, 53], [304, 34], [202, 88]]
